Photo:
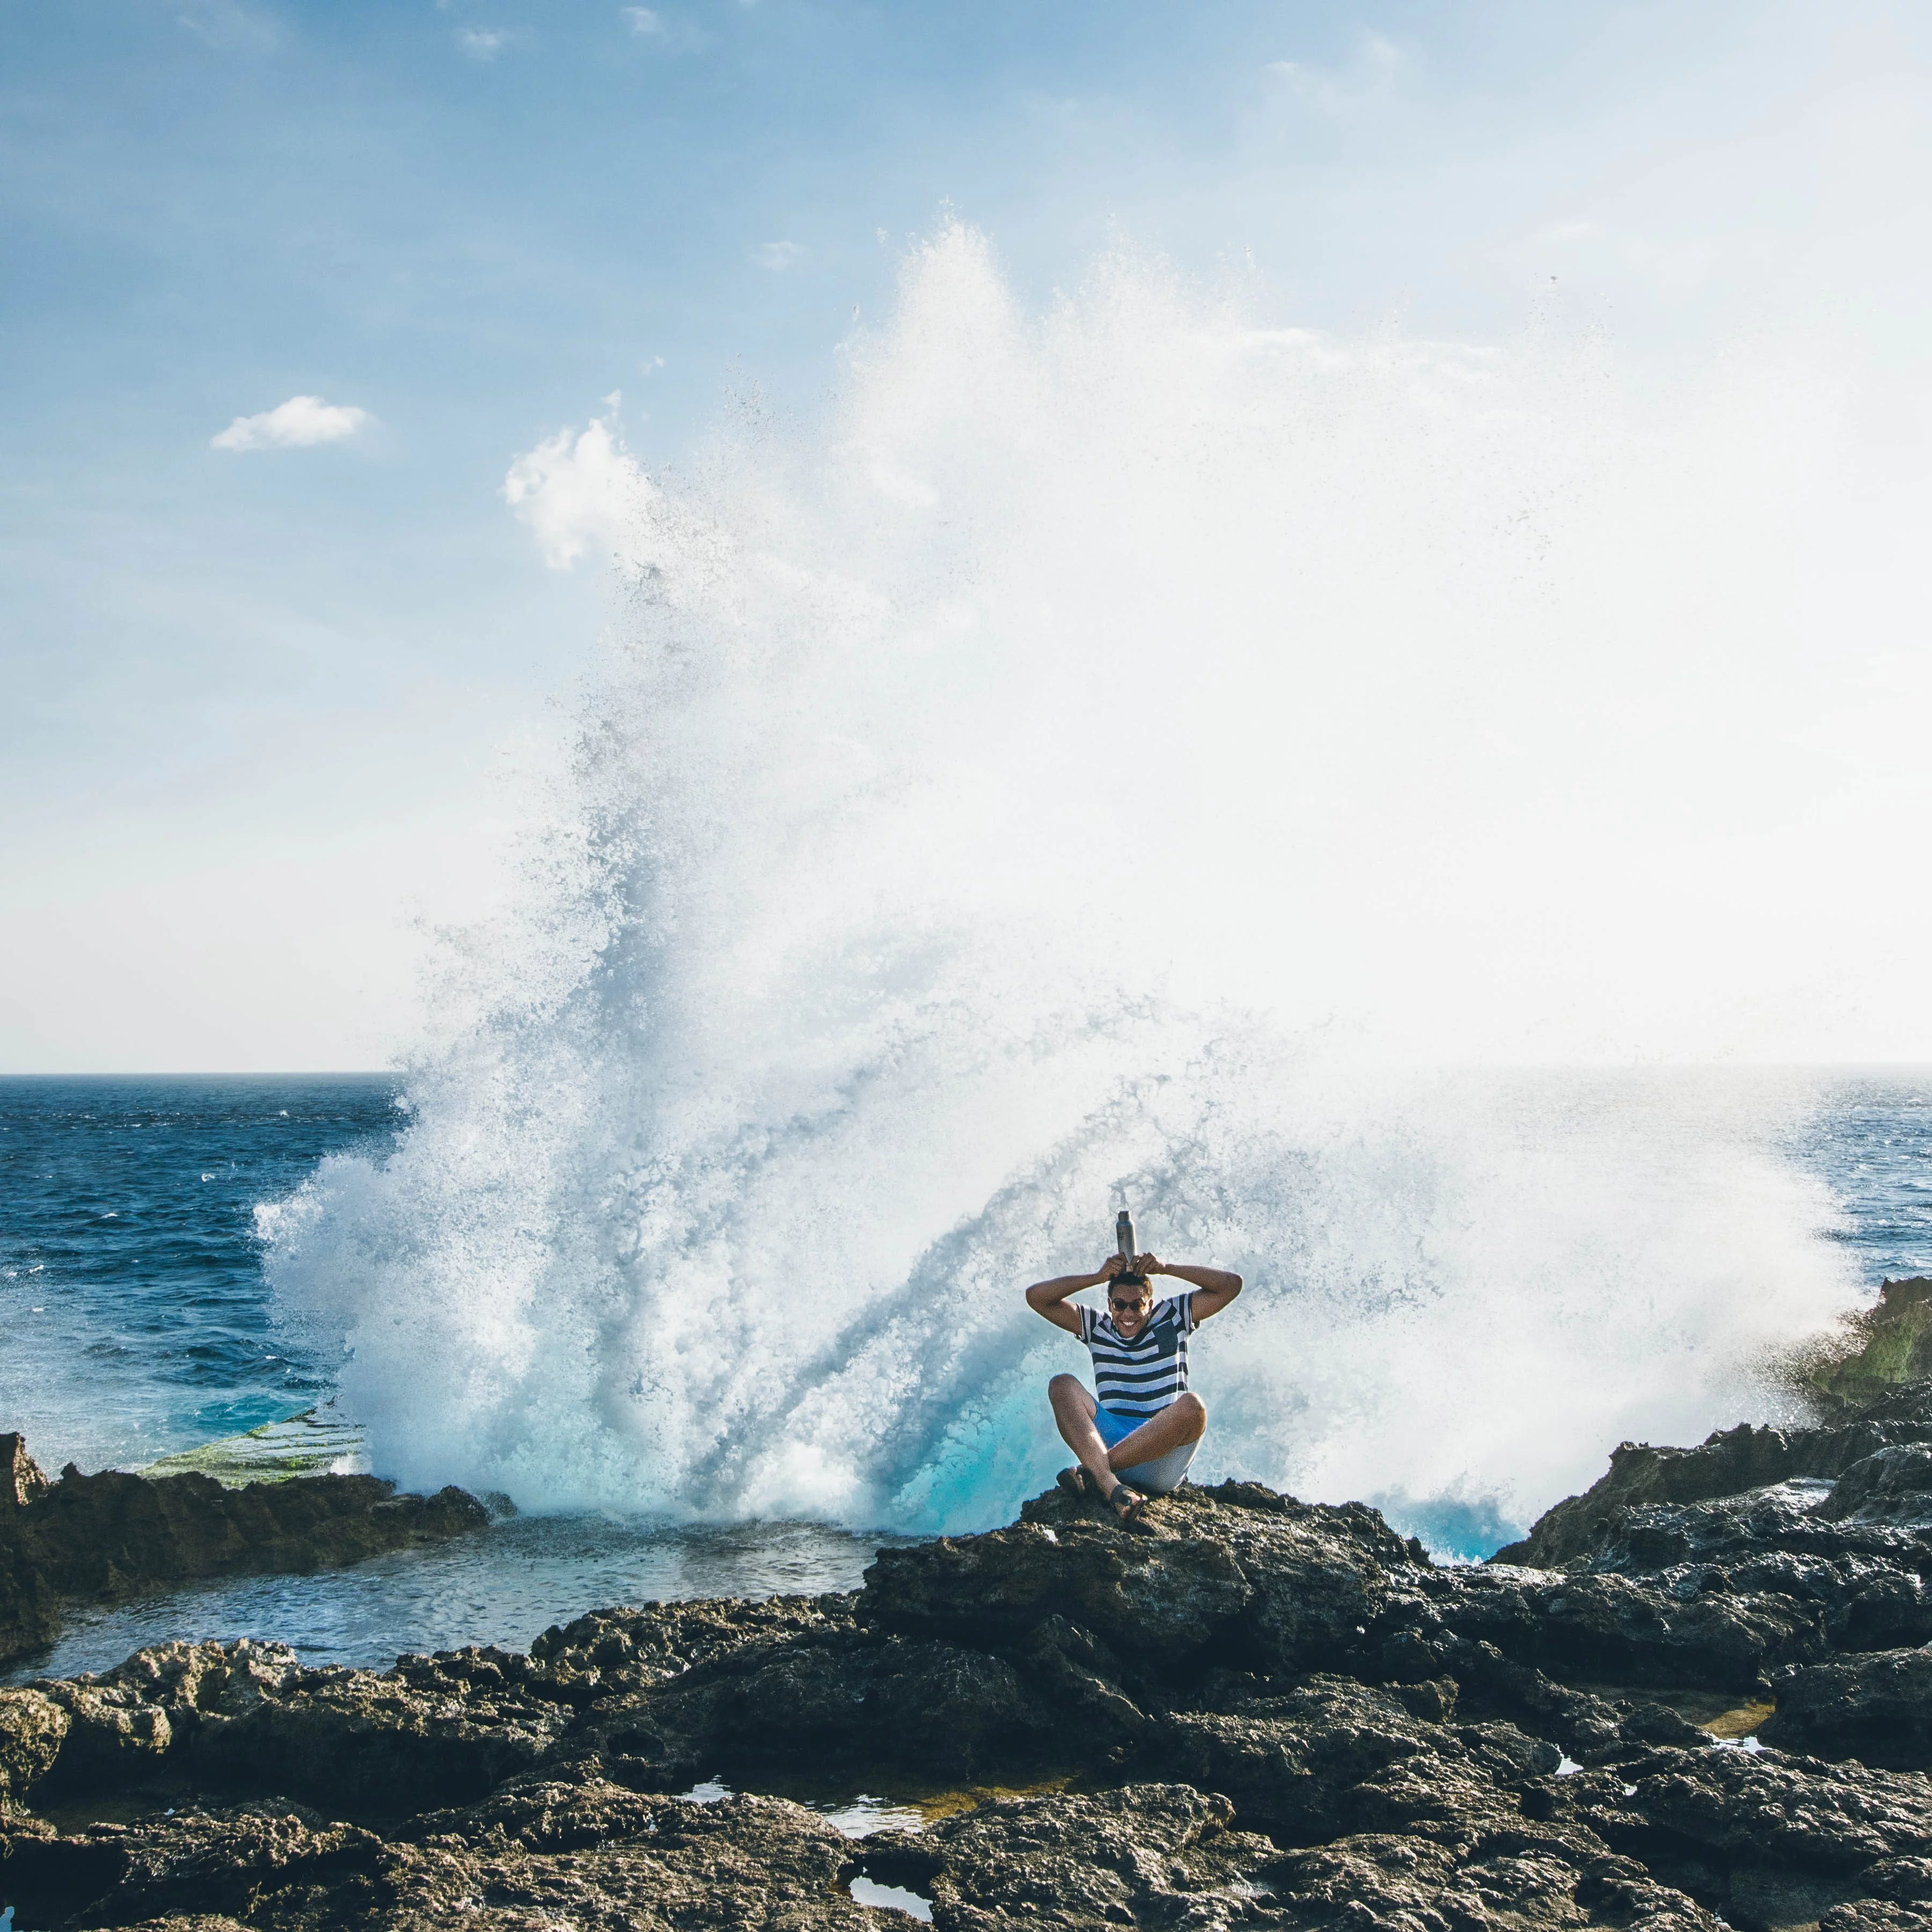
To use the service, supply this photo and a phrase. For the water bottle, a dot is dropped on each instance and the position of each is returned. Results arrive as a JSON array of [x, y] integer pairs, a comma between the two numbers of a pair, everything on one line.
[[1123, 1234]]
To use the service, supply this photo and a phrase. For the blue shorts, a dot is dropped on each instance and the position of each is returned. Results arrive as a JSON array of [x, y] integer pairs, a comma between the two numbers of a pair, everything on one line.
[[1164, 1474]]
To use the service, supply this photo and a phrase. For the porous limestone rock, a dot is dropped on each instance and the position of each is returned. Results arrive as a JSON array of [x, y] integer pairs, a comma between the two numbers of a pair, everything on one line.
[[1732, 1463], [32, 1729], [1245, 1711], [432, 1731], [1876, 1707], [512, 1862]]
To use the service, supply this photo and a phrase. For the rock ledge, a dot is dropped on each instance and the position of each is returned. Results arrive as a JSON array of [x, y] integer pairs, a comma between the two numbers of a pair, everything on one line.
[[95, 1539], [1248, 1711]]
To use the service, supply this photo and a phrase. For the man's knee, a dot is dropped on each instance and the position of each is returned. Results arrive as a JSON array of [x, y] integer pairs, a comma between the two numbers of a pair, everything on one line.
[[1193, 1411], [1062, 1388]]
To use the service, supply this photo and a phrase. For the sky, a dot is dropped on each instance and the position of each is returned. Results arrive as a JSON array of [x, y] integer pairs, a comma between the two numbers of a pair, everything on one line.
[[287, 290]]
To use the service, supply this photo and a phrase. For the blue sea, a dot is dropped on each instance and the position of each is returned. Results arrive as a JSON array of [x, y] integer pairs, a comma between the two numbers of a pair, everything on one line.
[[135, 1321]]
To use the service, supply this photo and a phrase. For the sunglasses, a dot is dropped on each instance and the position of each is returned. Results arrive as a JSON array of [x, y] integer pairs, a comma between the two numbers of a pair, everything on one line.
[[1138, 1301]]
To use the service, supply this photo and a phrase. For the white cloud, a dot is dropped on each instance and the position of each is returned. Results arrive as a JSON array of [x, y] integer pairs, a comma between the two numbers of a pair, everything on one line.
[[483, 43], [229, 28], [297, 423], [665, 30], [579, 491], [1376, 66], [776, 255]]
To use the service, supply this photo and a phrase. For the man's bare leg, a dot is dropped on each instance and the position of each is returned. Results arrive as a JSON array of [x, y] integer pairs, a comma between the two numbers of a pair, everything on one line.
[[1073, 1413], [1183, 1420]]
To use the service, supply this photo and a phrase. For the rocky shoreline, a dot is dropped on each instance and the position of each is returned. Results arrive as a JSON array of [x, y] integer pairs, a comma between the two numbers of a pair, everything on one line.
[[1694, 1697], [100, 1539]]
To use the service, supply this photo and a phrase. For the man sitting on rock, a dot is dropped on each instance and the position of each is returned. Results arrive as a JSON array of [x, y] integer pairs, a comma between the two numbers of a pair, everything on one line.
[[1139, 1437]]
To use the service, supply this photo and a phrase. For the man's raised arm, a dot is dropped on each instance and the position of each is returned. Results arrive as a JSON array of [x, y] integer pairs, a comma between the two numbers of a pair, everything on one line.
[[1213, 1287], [1049, 1298]]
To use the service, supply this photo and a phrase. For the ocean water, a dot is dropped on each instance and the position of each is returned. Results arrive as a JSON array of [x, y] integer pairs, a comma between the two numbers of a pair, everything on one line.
[[135, 1319], [1870, 1139]]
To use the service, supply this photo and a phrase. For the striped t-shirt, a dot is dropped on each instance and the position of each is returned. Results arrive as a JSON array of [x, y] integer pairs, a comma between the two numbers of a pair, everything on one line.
[[1140, 1377]]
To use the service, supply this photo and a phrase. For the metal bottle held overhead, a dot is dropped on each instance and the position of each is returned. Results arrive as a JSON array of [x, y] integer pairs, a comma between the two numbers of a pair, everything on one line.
[[1123, 1234]]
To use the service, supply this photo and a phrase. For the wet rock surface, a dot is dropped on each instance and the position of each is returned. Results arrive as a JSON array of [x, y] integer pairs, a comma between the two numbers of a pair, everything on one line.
[[95, 1539], [1246, 1712], [1876, 1707]]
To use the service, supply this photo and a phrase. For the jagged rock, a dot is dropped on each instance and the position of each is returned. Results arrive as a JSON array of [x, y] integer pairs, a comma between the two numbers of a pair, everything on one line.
[[1881, 1348], [203, 1862], [29, 1611], [1868, 1603], [1144, 1855], [122, 1723], [1907, 1880], [952, 1711], [1162, 1855], [747, 1861], [1166, 1588], [114, 1736], [1293, 1585], [1877, 1707], [1333, 1731], [98, 1536], [1305, 1766], [1730, 1463], [1512, 1757], [1873, 1914], [434, 1730], [685, 1690], [622, 1650], [1789, 1517], [1392, 1879], [23, 1480], [198, 1684], [32, 1728], [1583, 1724], [1768, 1840], [1630, 1630], [1867, 1579], [1893, 1484], [543, 1812]]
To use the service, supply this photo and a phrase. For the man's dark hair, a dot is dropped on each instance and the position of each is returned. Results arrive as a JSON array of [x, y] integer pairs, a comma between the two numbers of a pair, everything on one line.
[[1127, 1278]]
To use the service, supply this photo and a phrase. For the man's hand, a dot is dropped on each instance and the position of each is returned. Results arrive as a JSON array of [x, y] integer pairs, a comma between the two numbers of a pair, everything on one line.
[[1049, 1298], [1213, 1287]]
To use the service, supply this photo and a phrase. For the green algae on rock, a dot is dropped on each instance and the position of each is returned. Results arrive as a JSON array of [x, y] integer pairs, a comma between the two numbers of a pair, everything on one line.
[[1876, 1349], [315, 1443]]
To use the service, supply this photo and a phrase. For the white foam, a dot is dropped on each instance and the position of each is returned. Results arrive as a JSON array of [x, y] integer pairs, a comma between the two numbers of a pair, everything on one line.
[[999, 791]]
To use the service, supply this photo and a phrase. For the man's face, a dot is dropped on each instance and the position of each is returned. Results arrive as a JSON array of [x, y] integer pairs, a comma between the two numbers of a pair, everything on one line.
[[1130, 1307]]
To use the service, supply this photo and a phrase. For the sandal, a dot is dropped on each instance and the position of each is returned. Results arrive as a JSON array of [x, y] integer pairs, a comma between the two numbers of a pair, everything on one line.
[[1130, 1509], [1077, 1483]]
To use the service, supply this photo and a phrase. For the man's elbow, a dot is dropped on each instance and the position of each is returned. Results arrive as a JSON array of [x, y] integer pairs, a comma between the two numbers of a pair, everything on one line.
[[1233, 1286]]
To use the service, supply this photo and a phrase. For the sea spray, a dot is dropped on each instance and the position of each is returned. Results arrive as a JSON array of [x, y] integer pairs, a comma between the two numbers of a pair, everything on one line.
[[820, 1032]]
